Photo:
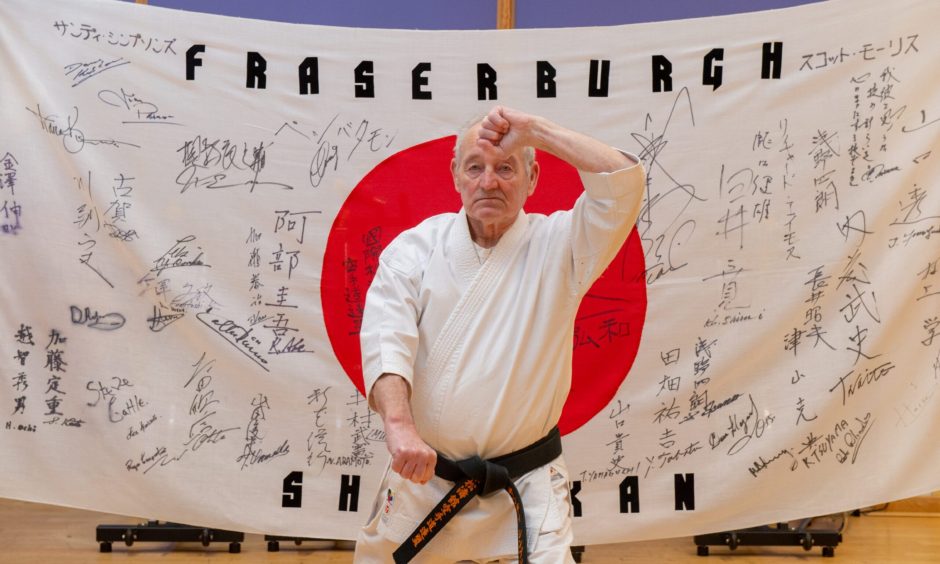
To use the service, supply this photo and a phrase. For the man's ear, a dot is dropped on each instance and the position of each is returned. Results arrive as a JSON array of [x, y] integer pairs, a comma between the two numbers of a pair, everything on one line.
[[453, 173], [533, 177]]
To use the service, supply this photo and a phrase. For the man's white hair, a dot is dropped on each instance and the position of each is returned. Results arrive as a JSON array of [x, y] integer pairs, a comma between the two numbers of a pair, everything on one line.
[[528, 153]]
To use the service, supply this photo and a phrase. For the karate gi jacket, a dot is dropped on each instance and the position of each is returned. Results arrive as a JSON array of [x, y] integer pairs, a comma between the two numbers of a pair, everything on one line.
[[487, 351]]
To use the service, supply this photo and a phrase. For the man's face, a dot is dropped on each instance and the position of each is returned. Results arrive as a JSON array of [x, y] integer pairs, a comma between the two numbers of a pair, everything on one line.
[[493, 184]]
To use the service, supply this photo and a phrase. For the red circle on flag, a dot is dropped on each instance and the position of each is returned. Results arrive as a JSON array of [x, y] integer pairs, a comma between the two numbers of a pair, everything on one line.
[[415, 184]]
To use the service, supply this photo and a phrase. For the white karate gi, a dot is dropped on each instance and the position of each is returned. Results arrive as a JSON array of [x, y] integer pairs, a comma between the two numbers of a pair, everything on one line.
[[487, 352]]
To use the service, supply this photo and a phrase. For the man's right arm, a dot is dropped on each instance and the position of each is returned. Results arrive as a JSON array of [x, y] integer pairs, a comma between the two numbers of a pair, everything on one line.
[[389, 340], [411, 456]]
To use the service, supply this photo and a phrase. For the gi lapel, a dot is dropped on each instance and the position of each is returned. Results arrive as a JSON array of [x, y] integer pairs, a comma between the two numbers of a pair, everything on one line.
[[446, 348]]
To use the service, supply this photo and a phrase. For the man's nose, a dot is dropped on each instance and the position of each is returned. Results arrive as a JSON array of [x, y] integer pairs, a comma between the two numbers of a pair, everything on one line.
[[489, 181]]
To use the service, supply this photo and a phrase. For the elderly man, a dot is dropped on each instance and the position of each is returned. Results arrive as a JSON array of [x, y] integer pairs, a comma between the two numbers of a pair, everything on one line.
[[467, 345]]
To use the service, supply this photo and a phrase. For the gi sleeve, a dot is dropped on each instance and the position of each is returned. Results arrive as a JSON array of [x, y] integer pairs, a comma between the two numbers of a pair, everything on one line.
[[389, 333], [602, 219]]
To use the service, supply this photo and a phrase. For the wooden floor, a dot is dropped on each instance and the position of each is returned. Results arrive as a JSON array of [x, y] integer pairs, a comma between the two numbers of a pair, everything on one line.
[[39, 534]]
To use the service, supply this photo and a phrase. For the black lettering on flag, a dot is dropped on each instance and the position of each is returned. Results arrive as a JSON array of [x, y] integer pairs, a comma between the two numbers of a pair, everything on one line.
[[685, 492], [349, 493], [711, 73], [418, 80], [192, 61], [630, 495], [575, 502], [662, 74], [293, 489], [257, 66], [308, 75], [545, 80], [599, 81], [771, 60], [365, 81], [486, 82]]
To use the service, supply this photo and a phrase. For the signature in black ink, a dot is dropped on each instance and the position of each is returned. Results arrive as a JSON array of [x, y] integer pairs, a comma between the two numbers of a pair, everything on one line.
[[359, 133], [80, 72], [65, 421], [760, 464], [745, 429], [94, 320], [131, 407], [234, 334], [73, 139], [124, 235], [668, 457], [859, 379], [193, 298], [326, 153], [141, 427], [179, 256], [699, 404], [256, 318], [207, 164], [252, 453], [318, 437], [149, 461], [160, 321], [818, 448], [145, 112], [293, 345], [854, 438], [874, 172], [203, 430], [108, 394], [661, 248], [103, 392]]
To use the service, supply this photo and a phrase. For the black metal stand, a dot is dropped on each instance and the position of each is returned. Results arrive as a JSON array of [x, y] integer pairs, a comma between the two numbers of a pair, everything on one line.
[[274, 541], [577, 552], [780, 535], [155, 531]]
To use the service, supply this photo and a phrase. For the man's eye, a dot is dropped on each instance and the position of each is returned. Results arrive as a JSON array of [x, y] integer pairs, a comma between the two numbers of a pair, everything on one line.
[[505, 169]]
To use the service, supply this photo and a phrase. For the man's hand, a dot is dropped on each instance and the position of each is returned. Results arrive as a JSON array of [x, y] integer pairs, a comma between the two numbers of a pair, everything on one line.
[[411, 456], [509, 130]]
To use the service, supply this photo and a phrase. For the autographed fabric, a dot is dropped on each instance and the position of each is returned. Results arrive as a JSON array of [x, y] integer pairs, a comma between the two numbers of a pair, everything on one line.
[[193, 207]]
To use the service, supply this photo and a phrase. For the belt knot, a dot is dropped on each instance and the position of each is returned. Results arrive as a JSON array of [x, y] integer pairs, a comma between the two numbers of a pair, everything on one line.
[[494, 477]]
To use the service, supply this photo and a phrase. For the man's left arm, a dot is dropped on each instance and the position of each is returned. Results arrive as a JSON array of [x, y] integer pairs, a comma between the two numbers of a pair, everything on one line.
[[614, 184], [509, 129]]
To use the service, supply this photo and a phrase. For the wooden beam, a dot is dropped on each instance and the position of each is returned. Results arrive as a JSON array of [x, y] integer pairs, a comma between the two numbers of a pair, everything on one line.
[[505, 14]]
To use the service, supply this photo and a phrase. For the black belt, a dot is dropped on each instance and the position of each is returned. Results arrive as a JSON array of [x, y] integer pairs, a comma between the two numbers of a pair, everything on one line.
[[475, 476]]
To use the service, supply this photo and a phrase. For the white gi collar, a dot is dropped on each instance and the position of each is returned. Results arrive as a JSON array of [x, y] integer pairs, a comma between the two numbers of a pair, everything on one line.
[[466, 263]]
